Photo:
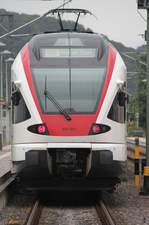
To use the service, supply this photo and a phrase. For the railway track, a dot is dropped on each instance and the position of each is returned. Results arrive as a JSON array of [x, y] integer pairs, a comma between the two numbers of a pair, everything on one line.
[[104, 215], [35, 213], [97, 215]]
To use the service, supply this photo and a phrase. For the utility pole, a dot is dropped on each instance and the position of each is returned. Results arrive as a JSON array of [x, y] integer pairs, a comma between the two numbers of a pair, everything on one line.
[[144, 4], [10, 19]]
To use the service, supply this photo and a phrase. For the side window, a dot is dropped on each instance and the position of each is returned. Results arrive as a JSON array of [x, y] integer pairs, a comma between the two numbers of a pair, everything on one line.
[[118, 109], [20, 111]]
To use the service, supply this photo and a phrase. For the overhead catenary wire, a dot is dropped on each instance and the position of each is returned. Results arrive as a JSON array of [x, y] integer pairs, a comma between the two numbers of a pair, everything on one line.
[[133, 59], [32, 21], [63, 3], [135, 72], [22, 35]]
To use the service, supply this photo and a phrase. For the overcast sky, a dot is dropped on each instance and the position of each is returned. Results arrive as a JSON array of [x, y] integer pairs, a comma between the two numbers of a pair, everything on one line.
[[118, 19]]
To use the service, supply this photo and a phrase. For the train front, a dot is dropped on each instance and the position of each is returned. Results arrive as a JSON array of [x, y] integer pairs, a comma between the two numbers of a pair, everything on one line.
[[68, 96]]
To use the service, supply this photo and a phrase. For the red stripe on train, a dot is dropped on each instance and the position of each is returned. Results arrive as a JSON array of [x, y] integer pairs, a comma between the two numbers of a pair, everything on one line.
[[80, 123]]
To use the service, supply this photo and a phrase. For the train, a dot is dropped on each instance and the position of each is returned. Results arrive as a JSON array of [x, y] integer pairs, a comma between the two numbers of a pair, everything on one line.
[[69, 109]]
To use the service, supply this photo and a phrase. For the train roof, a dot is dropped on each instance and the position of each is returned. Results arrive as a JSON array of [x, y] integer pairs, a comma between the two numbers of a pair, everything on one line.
[[95, 44], [64, 39]]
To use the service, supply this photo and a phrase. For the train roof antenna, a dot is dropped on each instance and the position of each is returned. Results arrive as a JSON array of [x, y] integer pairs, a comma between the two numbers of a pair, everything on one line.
[[60, 21], [76, 24]]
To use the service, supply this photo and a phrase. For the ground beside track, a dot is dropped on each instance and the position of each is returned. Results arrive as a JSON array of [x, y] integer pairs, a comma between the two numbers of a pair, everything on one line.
[[126, 205], [17, 209]]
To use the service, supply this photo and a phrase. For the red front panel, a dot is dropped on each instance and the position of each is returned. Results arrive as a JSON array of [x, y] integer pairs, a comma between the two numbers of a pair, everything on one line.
[[80, 123]]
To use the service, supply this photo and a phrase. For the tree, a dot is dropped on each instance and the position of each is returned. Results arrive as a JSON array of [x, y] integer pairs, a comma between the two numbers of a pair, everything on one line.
[[142, 92]]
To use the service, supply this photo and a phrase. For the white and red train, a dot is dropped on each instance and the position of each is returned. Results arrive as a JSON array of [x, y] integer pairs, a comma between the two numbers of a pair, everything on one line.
[[69, 105]]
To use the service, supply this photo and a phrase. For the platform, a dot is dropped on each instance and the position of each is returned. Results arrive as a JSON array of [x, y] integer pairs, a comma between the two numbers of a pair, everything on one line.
[[5, 168], [5, 161]]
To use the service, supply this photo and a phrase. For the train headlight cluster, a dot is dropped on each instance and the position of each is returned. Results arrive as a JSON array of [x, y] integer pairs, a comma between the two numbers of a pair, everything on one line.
[[98, 129], [39, 129]]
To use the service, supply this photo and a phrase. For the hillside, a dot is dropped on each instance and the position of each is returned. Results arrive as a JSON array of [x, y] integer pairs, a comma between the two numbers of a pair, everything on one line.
[[51, 24]]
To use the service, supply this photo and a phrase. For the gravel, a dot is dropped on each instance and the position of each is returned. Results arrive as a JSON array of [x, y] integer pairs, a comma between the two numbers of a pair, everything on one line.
[[126, 205], [17, 210], [69, 216]]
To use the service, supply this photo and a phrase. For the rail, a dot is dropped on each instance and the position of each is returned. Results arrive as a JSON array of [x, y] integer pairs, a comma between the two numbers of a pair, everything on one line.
[[35, 213], [104, 215]]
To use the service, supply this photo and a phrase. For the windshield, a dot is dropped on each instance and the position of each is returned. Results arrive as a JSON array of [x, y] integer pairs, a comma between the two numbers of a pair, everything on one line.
[[77, 90]]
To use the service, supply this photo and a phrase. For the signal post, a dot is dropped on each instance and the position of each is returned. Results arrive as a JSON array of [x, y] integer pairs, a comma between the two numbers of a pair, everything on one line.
[[144, 4]]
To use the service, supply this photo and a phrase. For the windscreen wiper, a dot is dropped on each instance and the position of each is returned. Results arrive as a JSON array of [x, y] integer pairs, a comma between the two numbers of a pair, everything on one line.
[[58, 106]]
